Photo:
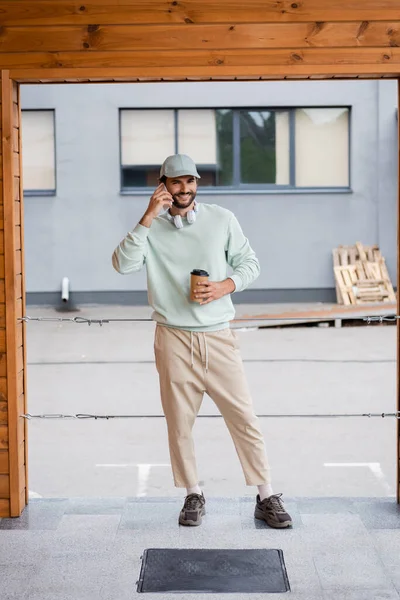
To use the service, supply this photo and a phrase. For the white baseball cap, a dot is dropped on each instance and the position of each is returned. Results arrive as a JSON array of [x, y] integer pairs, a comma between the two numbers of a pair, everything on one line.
[[178, 165]]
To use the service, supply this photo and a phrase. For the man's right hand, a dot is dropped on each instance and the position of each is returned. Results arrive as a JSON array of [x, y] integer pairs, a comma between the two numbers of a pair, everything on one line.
[[160, 200]]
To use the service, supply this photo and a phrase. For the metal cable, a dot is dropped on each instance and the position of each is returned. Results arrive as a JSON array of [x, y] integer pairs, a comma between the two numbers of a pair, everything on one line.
[[296, 416], [369, 361], [90, 321]]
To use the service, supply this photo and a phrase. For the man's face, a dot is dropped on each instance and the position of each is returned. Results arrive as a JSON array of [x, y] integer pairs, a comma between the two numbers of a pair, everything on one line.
[[182, 189]]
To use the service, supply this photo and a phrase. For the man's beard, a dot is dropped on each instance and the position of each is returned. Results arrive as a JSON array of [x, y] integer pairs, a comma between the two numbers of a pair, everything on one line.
[[179, 204]]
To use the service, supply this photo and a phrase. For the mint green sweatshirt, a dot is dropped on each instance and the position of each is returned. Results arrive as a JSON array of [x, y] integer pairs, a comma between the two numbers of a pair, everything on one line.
[[214, 241]]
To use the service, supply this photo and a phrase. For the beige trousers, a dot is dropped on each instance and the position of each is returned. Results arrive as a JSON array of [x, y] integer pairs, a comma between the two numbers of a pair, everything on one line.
[[190, 364]]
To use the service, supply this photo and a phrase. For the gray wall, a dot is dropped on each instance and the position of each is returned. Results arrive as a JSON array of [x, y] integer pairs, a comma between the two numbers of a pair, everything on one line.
[[74, 233]]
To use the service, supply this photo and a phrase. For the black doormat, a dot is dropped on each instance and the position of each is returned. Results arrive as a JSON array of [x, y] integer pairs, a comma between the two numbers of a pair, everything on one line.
[[204, 570]]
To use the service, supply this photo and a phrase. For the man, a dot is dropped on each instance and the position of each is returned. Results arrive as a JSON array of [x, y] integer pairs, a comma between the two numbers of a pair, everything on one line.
[[195, 349]]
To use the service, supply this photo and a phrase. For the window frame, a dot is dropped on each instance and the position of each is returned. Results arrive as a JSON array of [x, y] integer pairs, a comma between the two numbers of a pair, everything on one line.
[[248, 188], [43, 192]]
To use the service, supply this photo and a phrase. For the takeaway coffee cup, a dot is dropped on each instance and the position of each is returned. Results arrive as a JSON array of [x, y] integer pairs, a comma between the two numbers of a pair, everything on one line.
[[195, 276]]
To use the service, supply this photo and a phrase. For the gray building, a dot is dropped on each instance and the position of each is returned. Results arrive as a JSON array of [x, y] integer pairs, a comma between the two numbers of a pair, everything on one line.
[[305, 166]]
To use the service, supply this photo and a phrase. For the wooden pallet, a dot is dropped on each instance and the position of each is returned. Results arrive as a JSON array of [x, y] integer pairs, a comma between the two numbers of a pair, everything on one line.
[[361, 275]]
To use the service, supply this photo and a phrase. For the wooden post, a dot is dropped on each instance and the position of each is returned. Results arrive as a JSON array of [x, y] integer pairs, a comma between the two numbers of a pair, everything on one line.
[[13, 487], [398, 292]]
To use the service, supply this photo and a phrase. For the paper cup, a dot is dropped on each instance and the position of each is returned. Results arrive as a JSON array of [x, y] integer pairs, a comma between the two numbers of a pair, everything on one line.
[[195, 276]]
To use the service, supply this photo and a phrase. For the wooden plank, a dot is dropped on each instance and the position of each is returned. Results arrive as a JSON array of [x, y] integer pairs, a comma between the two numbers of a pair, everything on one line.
[[62, 12], [2, 315], [346, 278], [25, 77], [3, 389], [398, 308], [19, 309], [4, 439], [335, 256], [19, 334], [15, 121], [23, 499], [21, 474], [4, 486], [18, 286], [336, 263], [4, 462], [20, 384], [162, 37], [5, 434], [20, 359], [386, 278], [17, 238], [352, 255], [204, 57], [2, 291], [15, 139], [3, 364], [21, 454], [16, 159], [18, 262], [17, 194], [13, 287], [361, 251], [22, 387], [17, 211], [3, 411], [21, 403], [4, 508], [207, 73], [3, 339], [20, 428]]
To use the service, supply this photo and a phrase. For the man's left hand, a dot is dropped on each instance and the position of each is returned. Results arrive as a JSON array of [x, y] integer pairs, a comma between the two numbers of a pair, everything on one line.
[[208, 291]]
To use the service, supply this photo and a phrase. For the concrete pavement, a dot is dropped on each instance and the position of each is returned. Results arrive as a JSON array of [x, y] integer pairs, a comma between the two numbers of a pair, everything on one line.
[[74, 368]]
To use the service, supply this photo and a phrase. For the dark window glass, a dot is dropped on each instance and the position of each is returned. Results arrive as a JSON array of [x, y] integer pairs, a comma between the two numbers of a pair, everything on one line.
[[224, 121], [140, 176], [257, 147]]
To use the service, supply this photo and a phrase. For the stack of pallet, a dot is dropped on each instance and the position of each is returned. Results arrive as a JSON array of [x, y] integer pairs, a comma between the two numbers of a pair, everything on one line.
[[361, 275]]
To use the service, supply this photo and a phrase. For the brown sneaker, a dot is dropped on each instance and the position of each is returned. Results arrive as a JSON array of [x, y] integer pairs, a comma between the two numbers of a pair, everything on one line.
[[271, 511], [193, 509]]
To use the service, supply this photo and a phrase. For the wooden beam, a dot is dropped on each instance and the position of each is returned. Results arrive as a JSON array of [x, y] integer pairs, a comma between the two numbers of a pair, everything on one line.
[[201, 58], [13, 290], [64, 12], [206, 72], [398, 297], [22, 385], [111, 38]]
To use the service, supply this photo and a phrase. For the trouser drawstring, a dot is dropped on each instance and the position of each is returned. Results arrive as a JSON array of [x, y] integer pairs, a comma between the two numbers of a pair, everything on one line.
[[192, 350], [206, 347]]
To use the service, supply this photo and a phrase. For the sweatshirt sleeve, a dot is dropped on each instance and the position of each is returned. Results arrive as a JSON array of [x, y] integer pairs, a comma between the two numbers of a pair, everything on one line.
[[241, 257], [130, 254]]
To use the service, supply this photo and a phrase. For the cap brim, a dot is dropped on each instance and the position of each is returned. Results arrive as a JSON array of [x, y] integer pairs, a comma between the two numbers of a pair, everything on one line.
[[183, 174]]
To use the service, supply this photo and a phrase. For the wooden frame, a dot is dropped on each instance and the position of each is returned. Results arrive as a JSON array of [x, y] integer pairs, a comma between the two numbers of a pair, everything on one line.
[[50, 41]]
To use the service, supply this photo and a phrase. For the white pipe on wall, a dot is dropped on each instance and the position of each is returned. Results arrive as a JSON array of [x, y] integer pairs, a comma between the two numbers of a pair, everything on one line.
[[65, 289]]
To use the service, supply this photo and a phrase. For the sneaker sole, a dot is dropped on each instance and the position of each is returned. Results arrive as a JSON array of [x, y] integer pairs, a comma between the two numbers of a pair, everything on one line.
[[258, 514], [191, 523]]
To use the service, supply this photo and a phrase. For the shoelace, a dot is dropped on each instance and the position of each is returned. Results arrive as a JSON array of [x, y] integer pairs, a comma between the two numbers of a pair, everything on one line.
[[192, 501], [276, 502]]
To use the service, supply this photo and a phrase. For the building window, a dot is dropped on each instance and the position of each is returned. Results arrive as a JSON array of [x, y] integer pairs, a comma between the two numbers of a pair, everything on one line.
[[38, 152], [239, 148]]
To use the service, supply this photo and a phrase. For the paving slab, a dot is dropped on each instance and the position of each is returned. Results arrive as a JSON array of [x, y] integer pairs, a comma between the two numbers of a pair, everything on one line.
[[330, 553]]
